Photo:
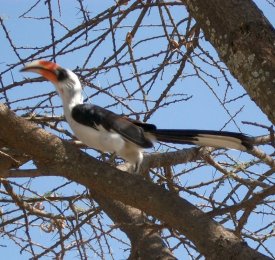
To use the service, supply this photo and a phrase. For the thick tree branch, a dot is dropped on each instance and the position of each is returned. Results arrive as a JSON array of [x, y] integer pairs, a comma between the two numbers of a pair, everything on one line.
[[53, 155], [146, 241], [244, 40]]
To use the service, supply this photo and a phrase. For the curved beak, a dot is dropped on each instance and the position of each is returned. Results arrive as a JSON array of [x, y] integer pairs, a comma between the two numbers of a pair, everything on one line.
[[46, 69]]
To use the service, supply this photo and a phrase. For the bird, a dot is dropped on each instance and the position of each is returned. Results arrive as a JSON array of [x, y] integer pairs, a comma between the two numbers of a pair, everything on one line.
[[104, 130]]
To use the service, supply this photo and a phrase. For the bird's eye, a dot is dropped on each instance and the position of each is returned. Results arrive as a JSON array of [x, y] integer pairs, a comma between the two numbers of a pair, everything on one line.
[[62, 74]]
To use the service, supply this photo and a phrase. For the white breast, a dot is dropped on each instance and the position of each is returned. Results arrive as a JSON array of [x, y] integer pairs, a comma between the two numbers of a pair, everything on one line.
[[98, 139], [107, 142]]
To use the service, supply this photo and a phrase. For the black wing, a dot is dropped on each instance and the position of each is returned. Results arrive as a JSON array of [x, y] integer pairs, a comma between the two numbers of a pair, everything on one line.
[[94, 116]]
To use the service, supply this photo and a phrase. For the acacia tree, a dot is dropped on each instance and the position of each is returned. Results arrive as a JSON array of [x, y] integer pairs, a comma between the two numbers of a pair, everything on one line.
[[139, 58]]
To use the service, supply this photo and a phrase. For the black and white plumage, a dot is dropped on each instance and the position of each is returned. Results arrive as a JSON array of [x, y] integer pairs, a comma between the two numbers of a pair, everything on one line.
[[106, 131]]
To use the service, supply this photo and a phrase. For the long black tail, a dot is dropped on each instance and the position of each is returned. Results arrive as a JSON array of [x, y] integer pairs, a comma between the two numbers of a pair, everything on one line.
[[219, 139]]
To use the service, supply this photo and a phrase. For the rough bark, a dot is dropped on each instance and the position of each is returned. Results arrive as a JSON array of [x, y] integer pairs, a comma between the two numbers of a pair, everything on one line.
[[52, 155], [146, 242], [244, 40]]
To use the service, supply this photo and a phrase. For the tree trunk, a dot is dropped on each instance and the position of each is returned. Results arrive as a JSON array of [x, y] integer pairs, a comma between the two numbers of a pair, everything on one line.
[[245, 41]]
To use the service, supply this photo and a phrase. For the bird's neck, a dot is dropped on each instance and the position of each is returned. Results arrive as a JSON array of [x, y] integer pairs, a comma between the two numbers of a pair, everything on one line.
[[70, 100]]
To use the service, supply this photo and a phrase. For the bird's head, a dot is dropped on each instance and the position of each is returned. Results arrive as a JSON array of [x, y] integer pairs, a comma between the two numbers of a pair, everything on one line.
[[66, 82]]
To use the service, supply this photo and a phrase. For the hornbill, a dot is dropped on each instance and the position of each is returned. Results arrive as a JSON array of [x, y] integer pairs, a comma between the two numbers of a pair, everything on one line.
[[106, 131]]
